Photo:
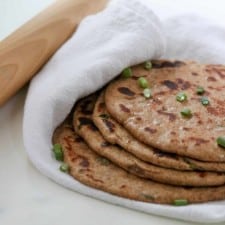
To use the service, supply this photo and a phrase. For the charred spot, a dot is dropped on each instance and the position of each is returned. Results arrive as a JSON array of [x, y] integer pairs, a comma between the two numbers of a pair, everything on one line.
[[186, 128], [84, 162], [213, 79], [101, 106], [183, 84], [200, 122], [136, 169], [126, 91], [220, 72], [171, 116], [202, 174], [84, 121], [109, 125], [150, 130], [138, 118], [123, 186], [170, 84], [78, 139], [105, 144], [173, 133], [124, 108], [160, 93], [161, 154], [194, 74], [198, 141], [216, 111], [93, 127], [86, 107], [163, 64], [216, 88]]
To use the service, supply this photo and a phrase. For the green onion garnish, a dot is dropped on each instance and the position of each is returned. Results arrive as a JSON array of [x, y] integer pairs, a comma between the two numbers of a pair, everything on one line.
[[200, 90], [64, 167], [58, 152], [148, 65], [180, 202], [205, 101], [186, 112], [127, 73], [143, 83], [221, 141], [147, 93], [181, 97]]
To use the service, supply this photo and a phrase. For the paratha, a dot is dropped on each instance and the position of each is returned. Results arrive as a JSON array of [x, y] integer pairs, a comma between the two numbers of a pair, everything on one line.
[[114, 133], [95, 171], [84, 126], [160, 121]]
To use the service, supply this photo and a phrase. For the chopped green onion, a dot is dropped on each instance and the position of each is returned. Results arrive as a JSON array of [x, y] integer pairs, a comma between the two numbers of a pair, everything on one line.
[[221, 141], [147, 93], [186, 112], [104, 116], [127, 73], [180, 202], [64, 167], [200, 90], [181, 97], [143, 83], [58, 152], [148, 65], [205, 101]]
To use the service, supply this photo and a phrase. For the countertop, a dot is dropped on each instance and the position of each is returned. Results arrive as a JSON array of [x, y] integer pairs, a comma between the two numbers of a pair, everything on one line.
[[28, 197]]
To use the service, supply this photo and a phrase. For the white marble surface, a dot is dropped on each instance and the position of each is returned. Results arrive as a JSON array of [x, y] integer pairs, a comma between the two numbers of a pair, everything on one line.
[[26, 196]]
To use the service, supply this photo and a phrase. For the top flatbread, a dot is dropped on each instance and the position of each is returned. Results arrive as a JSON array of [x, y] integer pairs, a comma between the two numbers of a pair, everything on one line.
[[157, 121], [114, 133]]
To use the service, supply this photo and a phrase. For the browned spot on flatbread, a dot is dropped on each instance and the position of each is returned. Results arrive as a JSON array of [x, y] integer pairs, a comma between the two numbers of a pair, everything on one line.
[[171, 116], [194, 74], [86, 107], [101, 106], [150, 130], [109, 125], [213, 79], [123, 186], [84, 121], [94, 179], [163, 64], [84, 162], [184, 85], [124, 108], [198, 141], [170, 84], [126, 91], [218, 111], [165, 154]]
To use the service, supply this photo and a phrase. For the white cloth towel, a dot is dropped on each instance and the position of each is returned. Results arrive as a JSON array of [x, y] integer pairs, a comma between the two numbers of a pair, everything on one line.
[[124, 34]]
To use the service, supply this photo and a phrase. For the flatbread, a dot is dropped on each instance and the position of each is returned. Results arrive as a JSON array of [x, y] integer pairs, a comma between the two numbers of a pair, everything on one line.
[[114, 133], [95, 171], [157, 121], [84, 126]]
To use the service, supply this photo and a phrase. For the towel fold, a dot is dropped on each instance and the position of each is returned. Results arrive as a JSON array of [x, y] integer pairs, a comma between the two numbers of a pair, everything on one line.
[[124, 34]]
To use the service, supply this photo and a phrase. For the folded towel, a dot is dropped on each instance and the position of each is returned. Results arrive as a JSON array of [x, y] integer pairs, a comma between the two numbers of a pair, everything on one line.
[[124, 34]]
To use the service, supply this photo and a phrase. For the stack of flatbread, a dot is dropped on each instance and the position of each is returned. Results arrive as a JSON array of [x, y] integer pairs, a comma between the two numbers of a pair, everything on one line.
[[156, 134]]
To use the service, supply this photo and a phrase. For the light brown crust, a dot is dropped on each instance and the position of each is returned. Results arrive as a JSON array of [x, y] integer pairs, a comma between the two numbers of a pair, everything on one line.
[[90, 169], [114, 133], [160, 123], [85, 127]]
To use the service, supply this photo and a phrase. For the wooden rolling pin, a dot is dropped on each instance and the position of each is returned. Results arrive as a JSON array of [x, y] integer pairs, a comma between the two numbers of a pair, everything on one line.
[[26, 50]]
